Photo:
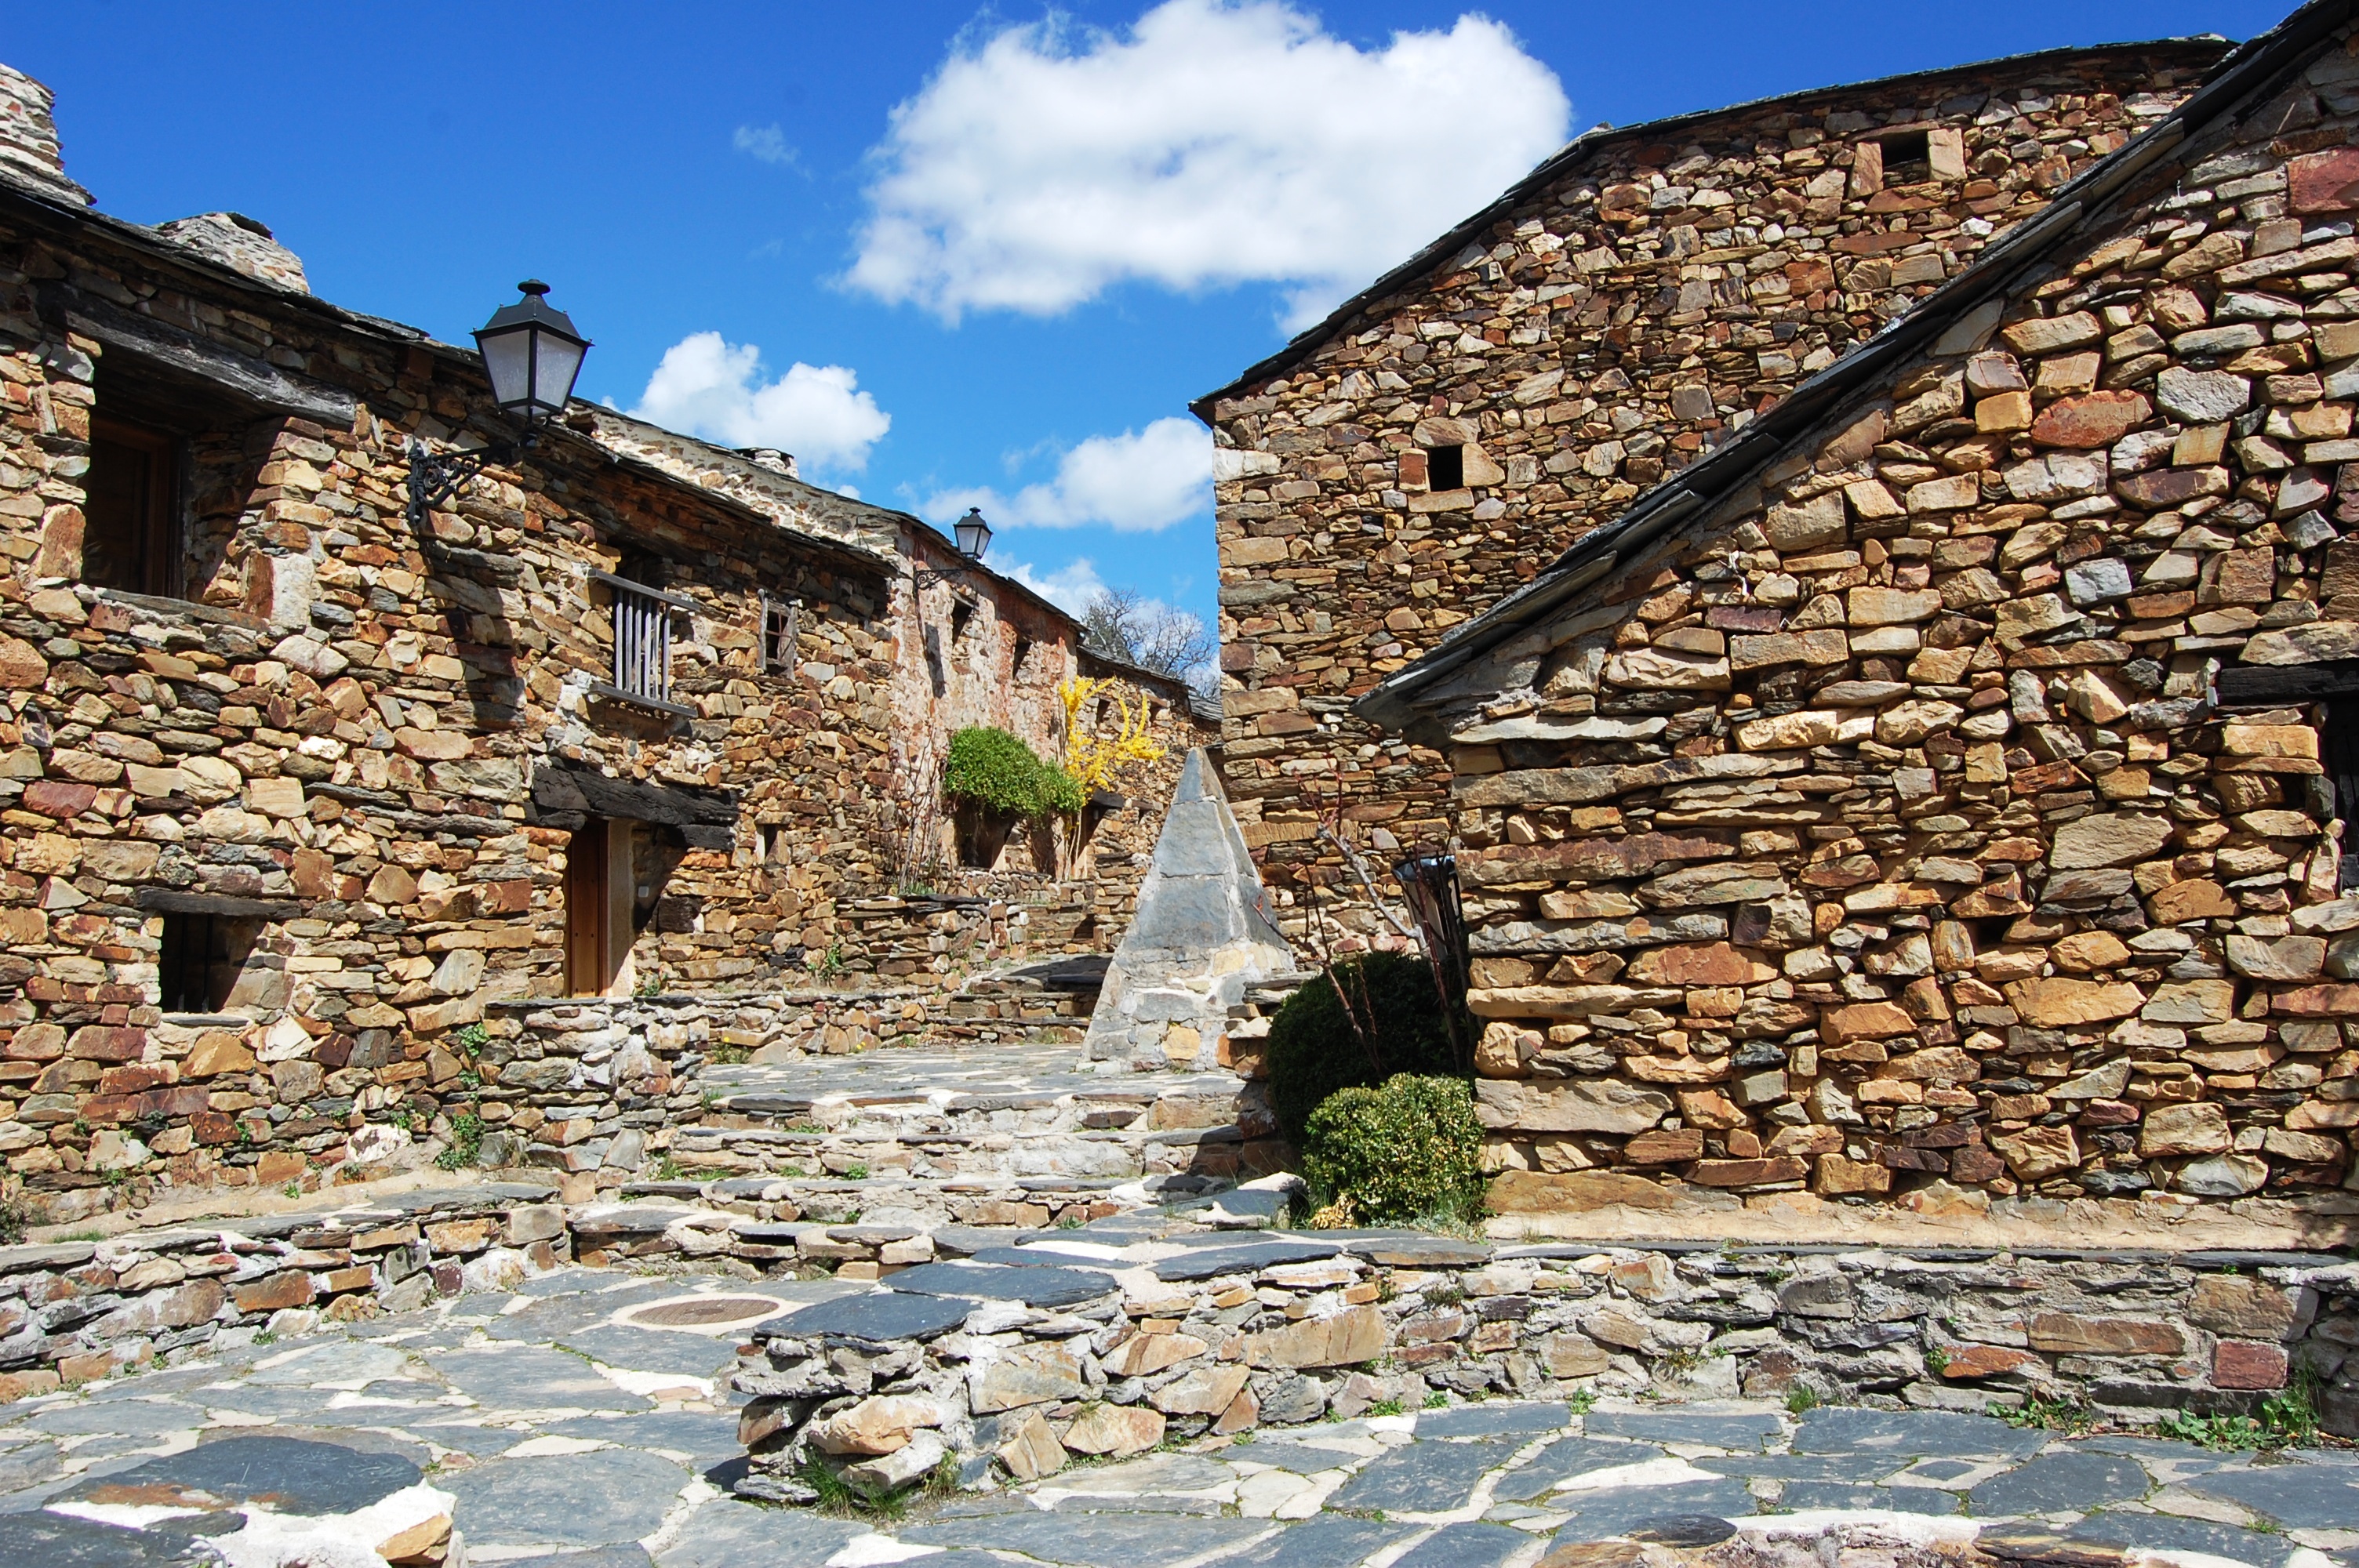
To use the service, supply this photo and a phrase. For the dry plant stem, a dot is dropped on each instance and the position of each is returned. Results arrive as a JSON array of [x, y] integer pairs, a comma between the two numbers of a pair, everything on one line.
[[1359, 865]]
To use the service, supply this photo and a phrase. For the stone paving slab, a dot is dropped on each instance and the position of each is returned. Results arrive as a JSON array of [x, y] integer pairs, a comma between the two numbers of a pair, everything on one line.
[[546, 1460]]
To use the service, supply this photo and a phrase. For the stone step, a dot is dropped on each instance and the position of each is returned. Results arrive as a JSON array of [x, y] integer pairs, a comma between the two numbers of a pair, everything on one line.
[[801, 1204]]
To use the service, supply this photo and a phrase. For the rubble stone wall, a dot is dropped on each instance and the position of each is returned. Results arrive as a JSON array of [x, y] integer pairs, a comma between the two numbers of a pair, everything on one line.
[[1888, 833], [1632, 311], [1388, 1320]]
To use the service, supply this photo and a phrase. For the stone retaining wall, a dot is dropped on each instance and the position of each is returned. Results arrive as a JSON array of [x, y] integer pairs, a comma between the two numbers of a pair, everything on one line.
[[1232, 1334]]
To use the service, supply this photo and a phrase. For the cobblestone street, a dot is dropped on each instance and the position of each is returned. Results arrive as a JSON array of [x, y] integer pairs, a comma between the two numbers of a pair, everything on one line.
[[583, 1419]]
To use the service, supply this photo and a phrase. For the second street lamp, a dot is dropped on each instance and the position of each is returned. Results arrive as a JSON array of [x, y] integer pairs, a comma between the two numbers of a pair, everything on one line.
[[532, 354]]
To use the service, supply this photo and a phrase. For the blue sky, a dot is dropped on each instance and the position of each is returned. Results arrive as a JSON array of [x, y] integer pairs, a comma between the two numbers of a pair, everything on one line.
[[981, 254]]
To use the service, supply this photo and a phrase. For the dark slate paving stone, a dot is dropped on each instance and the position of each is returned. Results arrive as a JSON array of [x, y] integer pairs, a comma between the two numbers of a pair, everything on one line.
[[1465, 1546], [1596, 1515], [289, 1475], [631, 1556], [1801, 1495], [1421, 1477], [1091, 1540], [1046, 1286], [334, 1362], [1683, 1529], [2054, 1483], [27, 1466], [607, 1498], [1204, 1263], [2164, 1533], [1144, 1504], [2295, 1497], [1848, 1468], [1301, 1458], [58, 1541], [276, 1404], [1329, 1541], [1410, 1249], [531, 1378], [652, 1350], [1564, 1459], [2181, 1458], [573, 1314], [1032, 1258], [1493, 1419], [1746, 1432], [124, 1418], [872, 1316], [480, 1441], [730, 1534], [1914, 1434], [702, 1436]]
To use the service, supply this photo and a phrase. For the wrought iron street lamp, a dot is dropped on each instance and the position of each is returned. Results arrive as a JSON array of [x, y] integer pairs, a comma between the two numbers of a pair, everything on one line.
[[532, 354], [974, 534]]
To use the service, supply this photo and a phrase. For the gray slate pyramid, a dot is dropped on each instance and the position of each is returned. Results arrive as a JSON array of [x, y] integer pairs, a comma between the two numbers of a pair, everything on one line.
[[1203, 935]]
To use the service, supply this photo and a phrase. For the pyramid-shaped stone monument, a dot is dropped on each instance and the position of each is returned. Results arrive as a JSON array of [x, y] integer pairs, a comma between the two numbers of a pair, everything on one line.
[[1201, 937]]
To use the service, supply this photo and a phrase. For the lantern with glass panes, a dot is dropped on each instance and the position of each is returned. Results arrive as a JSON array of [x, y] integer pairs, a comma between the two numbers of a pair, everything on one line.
[[532, 355]]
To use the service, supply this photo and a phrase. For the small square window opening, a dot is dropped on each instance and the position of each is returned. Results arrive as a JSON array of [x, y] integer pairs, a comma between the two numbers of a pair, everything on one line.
[[1908, 157], [961, 615], [1446, 468], [201, 956]]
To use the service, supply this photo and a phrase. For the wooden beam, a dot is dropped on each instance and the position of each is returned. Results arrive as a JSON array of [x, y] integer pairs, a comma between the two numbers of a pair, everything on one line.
[[2246, 686], [183, 356], [173, 900]]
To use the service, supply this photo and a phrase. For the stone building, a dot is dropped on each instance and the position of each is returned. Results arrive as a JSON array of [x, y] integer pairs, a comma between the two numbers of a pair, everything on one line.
[[1630, 305], [305, 790], [1938, 793]]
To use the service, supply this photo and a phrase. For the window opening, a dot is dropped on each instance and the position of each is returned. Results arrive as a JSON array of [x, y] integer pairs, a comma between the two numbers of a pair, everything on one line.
[[1908, 157], [2339, 742], [1023, 649], [130, 537], [197, 966], [642, 628], [962, 614], [1445, 468], [781, 622], [777, 850]]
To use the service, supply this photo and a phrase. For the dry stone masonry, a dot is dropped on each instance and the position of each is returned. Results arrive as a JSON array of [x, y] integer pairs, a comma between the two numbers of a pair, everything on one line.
[[1633, 303], [305, 807], [1955, 810]]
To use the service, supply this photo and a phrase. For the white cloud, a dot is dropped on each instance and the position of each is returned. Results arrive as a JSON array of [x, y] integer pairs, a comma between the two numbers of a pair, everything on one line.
[[1212, 144], [715, 389], [1136, 482], [766, 143], [1070, 587]]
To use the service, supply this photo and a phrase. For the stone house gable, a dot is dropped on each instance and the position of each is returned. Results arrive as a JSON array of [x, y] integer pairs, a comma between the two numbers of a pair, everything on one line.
[[1628, 308], [1935, 796]]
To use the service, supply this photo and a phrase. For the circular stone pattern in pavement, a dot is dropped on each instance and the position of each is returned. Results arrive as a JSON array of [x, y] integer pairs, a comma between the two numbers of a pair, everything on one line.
[[701, 1315]]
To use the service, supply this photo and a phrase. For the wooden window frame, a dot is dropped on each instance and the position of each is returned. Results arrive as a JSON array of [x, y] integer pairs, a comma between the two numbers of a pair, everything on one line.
[[158, 542], [781, 626]]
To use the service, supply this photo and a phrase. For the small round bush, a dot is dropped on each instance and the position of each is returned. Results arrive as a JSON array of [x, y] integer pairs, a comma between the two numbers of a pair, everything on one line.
[[1409, 1151], [1314, 1051], [999, 770]]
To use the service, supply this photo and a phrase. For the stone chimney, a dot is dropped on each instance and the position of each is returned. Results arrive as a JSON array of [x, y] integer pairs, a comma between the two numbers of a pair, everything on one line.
[[241, 244], [770, 458], [28, 140]]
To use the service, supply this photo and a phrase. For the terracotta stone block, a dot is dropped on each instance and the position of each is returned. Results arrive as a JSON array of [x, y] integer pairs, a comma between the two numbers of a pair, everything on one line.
[[287, 1288], [2243, 1364], [2075, 1334]]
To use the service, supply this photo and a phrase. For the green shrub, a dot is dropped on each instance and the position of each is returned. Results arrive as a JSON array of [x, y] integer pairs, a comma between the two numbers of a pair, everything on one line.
[[1409, 1151], [1314, 1050], [995, 768]]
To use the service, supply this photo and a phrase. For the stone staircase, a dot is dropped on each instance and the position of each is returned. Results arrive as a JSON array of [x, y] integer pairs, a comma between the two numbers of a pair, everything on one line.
[[1013, 1134]]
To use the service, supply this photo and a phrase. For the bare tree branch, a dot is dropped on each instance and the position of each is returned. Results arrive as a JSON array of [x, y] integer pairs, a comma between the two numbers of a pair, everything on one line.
[[1122, 624]]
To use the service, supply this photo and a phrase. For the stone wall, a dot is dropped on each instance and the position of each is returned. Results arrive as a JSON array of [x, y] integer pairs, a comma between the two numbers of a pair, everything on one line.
[[349, 736], [1898, 830], [1127, 1349], [1637, 302]]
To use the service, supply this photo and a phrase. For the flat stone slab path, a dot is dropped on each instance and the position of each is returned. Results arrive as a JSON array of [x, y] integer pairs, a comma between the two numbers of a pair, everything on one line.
[[584, 1421]]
